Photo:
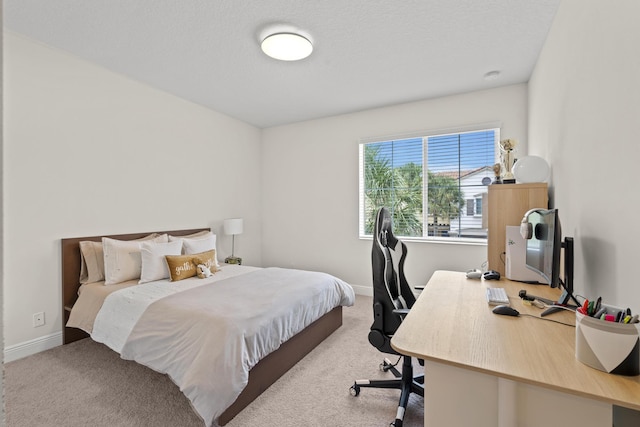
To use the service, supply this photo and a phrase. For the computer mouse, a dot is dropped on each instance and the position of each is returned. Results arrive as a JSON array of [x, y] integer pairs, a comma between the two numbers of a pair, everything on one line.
[[491, 275], [506, 310]]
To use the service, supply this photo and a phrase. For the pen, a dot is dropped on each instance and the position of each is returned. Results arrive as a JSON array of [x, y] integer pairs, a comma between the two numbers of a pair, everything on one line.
[[598, 304], [585, 307], [623, 315], [600, 312]]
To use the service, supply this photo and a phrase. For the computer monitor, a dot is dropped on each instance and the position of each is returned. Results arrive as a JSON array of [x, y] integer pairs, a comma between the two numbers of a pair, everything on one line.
[[543, 251]]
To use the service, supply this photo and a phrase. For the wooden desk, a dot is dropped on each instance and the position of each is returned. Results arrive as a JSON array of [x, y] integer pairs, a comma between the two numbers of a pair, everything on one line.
[[484, 369]]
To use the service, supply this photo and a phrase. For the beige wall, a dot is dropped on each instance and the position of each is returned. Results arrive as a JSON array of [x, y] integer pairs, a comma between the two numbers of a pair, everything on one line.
[[88, 152], [310, 184], [584, 115]]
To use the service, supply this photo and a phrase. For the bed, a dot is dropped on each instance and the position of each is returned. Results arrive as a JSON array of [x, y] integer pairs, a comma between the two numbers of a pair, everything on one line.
[[310, 320]]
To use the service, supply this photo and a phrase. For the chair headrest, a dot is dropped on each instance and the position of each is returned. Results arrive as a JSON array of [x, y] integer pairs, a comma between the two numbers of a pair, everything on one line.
[[384, 231]]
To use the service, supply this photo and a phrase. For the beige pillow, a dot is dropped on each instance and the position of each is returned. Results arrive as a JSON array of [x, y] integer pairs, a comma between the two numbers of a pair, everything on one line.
[[91, 262], [190, 236], [92, 258], [185, 266]]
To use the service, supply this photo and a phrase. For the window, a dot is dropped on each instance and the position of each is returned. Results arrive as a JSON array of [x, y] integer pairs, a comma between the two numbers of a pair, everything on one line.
[[471, 207], [478, 200], [448, 204]]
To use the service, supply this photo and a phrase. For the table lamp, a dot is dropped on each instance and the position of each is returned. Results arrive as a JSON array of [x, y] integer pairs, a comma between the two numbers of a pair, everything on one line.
[[233, 226]]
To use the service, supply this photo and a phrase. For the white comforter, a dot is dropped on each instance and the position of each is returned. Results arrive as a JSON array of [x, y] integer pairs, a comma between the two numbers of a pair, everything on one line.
[[208, 337]]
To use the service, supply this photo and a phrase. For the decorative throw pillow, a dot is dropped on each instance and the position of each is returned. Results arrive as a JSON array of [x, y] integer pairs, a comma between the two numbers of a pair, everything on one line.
[[154, 266], [207, 258], [181, 267], [185, 266]]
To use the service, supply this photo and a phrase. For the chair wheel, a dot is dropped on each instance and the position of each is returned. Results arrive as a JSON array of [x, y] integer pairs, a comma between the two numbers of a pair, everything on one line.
[[384, 367], [354, 390]]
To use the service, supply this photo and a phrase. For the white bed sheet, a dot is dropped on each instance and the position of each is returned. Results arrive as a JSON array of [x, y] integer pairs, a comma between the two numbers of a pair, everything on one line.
[[122, 309]]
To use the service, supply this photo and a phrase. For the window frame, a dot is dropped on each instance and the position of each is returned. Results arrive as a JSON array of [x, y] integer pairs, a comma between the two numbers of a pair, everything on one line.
[[495, 126]]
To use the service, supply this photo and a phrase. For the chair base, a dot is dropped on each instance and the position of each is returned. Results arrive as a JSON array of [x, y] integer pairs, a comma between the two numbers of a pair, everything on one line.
[[405, 381]]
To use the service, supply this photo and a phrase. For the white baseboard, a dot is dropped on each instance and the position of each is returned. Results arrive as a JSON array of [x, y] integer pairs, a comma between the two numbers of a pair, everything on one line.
[[363, 290], [27, 348]]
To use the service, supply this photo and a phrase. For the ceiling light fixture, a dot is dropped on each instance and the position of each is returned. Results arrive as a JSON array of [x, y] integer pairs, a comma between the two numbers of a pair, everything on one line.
[[287, 46]]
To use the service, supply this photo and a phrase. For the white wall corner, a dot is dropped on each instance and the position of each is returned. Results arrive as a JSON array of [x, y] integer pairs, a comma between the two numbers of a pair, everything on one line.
[[27, 348]]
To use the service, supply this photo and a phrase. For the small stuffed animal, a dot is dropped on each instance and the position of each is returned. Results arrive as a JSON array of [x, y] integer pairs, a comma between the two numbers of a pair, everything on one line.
[[203, 271]]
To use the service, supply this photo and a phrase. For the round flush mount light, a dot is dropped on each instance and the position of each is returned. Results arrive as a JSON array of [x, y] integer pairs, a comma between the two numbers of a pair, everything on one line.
[[287, 46]]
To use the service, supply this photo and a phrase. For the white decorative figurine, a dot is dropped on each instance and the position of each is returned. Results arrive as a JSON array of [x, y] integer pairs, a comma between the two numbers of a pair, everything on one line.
[[203, 271], [507, 158]]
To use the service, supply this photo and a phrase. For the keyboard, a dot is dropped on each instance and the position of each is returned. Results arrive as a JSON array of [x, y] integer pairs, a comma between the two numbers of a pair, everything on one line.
[[497, 296]]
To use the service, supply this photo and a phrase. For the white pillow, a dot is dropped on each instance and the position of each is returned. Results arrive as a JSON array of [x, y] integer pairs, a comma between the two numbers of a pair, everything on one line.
[[122, 259], [154, 266], [197, 243]]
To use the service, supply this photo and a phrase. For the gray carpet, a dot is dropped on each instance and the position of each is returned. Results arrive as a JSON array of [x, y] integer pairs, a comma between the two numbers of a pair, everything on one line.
[[87, 384]]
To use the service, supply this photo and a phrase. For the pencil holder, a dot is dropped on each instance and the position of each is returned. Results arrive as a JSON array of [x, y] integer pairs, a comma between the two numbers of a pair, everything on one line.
[[608, 346]]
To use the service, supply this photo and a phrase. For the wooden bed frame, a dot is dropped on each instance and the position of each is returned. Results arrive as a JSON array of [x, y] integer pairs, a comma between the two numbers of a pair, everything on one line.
[[265, 373]]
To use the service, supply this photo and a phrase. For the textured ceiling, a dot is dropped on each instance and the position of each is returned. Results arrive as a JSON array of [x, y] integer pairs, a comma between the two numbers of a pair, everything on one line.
[[367, 53]]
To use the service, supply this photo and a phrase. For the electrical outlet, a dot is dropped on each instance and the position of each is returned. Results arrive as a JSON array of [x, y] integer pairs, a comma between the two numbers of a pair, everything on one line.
[[38, 319]]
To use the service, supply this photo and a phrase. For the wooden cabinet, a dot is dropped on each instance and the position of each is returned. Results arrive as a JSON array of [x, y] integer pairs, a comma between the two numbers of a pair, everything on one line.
[[507, 205]]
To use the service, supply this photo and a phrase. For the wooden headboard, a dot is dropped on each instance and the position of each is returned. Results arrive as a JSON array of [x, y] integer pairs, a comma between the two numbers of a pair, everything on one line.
[[71, 273]]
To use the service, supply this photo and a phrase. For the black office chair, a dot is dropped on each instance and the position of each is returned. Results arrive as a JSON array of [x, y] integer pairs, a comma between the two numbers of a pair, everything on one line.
[[392, 300]]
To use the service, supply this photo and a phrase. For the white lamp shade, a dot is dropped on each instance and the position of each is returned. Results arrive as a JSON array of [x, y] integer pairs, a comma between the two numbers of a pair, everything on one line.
[[233, 226]]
